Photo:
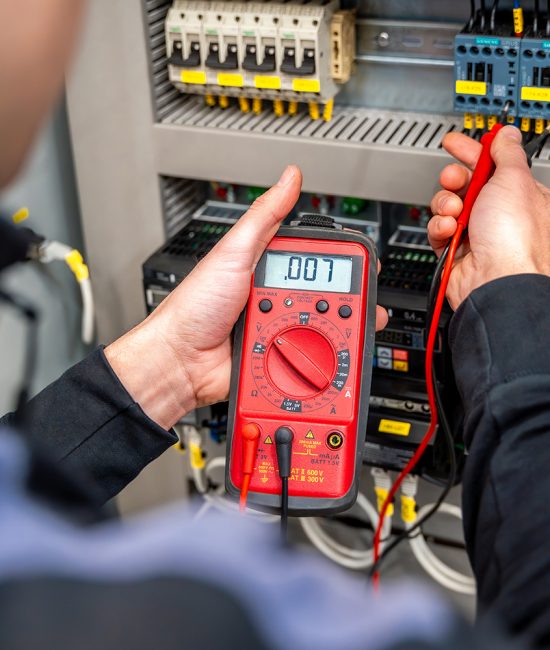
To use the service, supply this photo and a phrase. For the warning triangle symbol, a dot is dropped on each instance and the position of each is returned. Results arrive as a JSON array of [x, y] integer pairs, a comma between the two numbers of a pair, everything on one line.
[[309, 435], [268, 440]]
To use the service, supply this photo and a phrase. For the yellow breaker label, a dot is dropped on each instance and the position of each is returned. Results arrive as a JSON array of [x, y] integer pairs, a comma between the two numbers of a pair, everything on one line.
[[267, 83], [193, 77], [463, 87], [231, 80], [306, 85], [532, 94], [395, 427]]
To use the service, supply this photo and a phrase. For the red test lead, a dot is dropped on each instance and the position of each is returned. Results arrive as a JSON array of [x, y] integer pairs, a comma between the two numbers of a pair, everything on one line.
[[481, 175], [251, 438]]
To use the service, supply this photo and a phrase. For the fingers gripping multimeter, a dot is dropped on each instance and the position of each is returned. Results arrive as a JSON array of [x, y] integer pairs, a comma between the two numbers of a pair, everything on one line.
[[302, 360]]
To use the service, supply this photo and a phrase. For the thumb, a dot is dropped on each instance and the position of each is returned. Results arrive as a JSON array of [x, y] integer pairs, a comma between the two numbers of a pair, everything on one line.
[[254, 230], [507, 151]]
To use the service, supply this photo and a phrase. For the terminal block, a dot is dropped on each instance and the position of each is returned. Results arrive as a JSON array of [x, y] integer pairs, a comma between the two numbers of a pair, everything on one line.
[[534, 78], [300, 52], [486, 73]]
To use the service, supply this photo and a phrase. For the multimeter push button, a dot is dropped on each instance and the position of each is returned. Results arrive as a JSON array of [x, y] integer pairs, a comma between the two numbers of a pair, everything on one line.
[[265, 305], [345, 311], [322, 306]]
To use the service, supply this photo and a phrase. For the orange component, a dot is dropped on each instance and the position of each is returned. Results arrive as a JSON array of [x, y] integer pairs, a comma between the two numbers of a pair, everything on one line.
[[251, 437]]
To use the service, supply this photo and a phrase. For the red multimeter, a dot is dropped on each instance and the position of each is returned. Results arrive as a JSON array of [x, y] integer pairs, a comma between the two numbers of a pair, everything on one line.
[[303, 360]]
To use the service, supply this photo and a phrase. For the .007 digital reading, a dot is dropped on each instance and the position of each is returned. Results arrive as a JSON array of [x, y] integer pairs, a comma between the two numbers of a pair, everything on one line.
[[310, 272]]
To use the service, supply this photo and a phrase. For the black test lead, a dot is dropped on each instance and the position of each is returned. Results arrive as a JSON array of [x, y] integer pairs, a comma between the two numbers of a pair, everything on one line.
[[283, 446]]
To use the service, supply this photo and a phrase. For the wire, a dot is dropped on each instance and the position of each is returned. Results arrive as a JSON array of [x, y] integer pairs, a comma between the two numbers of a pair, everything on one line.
[[350, 558], [547, 17], [438, 570], [536, 12], [494, 10], [430, 348], [31, 317], [284, 508], [472, 20], [449, 441], [482, 15]]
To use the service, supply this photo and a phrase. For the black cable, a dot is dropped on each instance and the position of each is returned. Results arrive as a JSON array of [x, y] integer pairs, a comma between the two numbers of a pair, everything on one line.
[[30, 315], [283, 447], [536, 12], [494, 10], [284, 508], [472, 19], [547, 17], [482, 15]]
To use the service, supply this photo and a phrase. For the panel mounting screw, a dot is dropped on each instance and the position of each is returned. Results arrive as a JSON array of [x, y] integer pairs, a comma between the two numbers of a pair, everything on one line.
[[383, 39]]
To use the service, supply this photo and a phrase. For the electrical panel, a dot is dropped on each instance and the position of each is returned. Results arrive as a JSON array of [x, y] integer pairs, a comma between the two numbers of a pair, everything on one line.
[[295, 52]]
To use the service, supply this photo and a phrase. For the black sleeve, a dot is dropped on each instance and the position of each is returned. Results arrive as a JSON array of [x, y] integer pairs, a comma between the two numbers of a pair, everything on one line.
[[89, 422], [501, 354]]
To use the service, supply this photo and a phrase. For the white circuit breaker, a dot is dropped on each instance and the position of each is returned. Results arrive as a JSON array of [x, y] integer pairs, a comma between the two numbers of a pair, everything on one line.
[[268, 50]]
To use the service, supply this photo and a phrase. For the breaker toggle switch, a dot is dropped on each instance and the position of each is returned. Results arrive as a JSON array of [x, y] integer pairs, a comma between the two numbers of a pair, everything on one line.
[[192, 61], [213, 58], [251, 64], [288, 66]]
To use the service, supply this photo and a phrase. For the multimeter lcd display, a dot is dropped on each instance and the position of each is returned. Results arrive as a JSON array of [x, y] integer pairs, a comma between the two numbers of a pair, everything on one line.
[[308, 272]]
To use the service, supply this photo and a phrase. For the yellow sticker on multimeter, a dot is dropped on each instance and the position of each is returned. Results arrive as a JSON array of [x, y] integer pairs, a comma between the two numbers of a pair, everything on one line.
[[193, 77], [463, 87], [395, 427], [306, 85]]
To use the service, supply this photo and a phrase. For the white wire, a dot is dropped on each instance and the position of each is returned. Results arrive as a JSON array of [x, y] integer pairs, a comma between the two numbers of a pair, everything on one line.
[[345, 556], [438, 570], [218, 501], [88, 315]]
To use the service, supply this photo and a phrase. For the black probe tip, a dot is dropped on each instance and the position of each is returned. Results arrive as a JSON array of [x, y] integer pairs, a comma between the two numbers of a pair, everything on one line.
[[283, 443]]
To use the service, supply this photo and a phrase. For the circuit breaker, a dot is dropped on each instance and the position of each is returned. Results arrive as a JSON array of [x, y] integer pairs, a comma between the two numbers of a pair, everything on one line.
[[270, 50], [534, 78], [486, 73]]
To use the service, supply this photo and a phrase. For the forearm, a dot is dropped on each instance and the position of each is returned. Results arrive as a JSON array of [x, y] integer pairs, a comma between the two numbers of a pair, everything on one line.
[[502, 364], [88, 421]]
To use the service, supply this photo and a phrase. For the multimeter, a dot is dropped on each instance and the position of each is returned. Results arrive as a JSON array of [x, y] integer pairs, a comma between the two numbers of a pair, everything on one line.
[[302, 360]]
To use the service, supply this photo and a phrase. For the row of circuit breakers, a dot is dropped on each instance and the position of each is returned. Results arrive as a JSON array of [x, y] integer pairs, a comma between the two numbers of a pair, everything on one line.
[[277, 51], [291, 53]]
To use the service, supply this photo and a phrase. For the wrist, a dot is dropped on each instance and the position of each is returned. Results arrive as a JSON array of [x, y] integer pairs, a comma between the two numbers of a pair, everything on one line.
[[152, 374]]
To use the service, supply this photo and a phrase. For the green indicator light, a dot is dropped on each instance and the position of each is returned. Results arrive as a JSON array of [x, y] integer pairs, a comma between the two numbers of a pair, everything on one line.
[[249, 33], [175, 30], [289, 35], [212, 32]]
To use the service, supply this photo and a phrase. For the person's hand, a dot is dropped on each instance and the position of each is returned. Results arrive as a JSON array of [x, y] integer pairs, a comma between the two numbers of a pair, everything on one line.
[[180, 357], [509, 229]]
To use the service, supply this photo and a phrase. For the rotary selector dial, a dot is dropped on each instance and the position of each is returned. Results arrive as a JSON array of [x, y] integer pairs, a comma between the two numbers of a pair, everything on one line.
[[301, 362]]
